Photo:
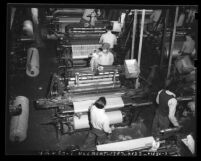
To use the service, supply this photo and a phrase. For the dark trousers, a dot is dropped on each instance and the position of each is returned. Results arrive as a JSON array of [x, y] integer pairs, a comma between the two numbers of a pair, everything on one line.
[[95, 136], [159, 122]]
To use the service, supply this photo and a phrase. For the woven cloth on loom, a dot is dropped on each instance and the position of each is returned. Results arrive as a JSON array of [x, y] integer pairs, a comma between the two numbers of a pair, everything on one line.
[[82, 51]]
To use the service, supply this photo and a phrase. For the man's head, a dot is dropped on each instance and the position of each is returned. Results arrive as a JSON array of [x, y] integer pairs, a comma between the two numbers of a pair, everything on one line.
[[100, 103], [170, 85], [109, 28], [105, 47]]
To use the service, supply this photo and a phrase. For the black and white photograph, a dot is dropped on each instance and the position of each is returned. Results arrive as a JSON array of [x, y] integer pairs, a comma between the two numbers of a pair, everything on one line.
[[101, 79]]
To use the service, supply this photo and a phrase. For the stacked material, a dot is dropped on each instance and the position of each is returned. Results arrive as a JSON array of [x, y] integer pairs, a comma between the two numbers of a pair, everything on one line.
[[82, 51], [132, 69]]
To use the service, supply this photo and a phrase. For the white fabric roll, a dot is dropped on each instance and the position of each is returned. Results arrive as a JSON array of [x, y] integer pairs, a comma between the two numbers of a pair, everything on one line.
[[19, 123], [111, 103], [115, 117], [32, 69], [127, 145], [28, 27]]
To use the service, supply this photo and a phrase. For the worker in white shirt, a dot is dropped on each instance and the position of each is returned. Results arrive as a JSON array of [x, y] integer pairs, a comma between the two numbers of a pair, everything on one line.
[[188, 47], [109, 38], [104, 57], [165, 112], [100, 125]]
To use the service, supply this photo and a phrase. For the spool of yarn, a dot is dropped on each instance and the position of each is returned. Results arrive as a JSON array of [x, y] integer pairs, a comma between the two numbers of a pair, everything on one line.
[[28, 28], [19, 123], [32, 68]]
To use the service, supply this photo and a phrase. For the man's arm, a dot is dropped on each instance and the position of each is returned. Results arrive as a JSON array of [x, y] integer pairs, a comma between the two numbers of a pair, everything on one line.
[[115, 40], [106, 126], [172, 103], [90, 107], [112, 59], [157, 98], [101, 39]]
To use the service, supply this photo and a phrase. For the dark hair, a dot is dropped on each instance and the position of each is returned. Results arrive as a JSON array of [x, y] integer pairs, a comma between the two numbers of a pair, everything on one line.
[[100, 103], [109, 27], [172, 87]]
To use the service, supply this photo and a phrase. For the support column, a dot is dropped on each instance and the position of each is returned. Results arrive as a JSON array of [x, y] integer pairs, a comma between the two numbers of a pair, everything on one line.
[[134, 31], [164, 37], [172, 42], [140, 45]]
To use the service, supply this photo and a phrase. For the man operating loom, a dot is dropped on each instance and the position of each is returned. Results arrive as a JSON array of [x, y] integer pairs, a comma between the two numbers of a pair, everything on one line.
[[100, 125]]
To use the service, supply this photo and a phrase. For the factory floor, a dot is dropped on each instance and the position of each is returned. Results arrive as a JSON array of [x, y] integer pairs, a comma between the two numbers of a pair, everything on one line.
[[43, 137]]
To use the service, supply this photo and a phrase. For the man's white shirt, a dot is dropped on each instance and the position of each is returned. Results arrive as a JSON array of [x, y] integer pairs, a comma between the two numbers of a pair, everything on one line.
[[99, 119], [105, 59], [101, 59], [108, 38]]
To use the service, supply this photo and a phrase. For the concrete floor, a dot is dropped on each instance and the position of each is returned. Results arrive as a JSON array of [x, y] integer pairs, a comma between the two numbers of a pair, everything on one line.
[[43, 137]]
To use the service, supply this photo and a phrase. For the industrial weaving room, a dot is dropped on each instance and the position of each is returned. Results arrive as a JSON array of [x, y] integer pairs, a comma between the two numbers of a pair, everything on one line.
[[101, 79]]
